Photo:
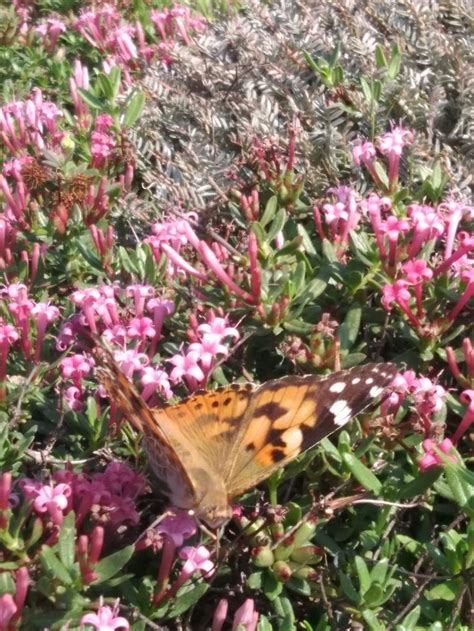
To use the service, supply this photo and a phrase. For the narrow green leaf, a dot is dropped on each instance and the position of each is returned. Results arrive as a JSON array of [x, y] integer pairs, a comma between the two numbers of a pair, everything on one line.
[[349, 329], [277, 225], [66, 541], [409, 621], [269, 212], [112, 564], [349, 589], [53, 566], [363, 474], [134, 109], [379, 572], [186, 598], [91, 100], [372, 622], [362, 573]]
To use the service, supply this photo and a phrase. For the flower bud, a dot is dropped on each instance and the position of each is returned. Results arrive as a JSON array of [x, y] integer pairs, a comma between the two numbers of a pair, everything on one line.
[[284, 549], [263, 556], [309, 573], [282, 570], [305, 531], [306, 554]]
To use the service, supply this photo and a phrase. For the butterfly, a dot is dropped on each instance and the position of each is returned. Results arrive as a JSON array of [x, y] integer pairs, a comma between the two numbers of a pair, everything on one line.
[[216, 444]]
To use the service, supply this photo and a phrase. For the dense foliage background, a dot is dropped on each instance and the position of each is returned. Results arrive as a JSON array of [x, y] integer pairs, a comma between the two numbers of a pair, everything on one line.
[[224, 193]]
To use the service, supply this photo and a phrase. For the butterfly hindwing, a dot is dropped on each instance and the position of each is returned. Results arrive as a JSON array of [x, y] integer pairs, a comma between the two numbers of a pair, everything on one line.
[[164, 459], [288, 416]]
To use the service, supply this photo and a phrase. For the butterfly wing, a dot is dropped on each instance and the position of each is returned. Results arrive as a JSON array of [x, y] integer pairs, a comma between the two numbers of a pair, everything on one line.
[[164, 455], [289, 415]]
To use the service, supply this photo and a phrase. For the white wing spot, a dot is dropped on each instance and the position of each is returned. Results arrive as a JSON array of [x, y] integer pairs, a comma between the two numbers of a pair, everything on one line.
[[342, 412], [375, 391], [369, 381], [355, 380], [337, 387]]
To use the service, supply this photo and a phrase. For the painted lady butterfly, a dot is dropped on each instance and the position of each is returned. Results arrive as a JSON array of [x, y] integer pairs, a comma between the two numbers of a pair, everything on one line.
[[216, 444]]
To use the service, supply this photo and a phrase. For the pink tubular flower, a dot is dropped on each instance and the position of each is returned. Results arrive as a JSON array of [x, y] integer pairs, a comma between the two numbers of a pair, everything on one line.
[[49, 498], [8, 609], [8, 335], [453, 212], [89, 549], [73, 397], [76, 367], [50, 30], [431, 458], [466, 397], [391, 144], [365, 153], [187, 366], [246, 617], [160, 308], [141, 328], [140, 293], [417, 272], [5, 490], [398, 293], [217, 329], [153, 380], [44, 314], [86, 299], [130, 361], [427, 225], [220, 614], [106, 618], [20, 306], [174, 529]]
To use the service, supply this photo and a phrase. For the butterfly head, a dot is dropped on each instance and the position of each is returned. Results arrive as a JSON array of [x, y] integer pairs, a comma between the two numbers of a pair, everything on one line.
[[215, 515]]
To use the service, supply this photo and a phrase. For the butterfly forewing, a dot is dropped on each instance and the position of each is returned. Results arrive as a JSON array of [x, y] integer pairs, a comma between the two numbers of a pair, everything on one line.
[[287, 416]]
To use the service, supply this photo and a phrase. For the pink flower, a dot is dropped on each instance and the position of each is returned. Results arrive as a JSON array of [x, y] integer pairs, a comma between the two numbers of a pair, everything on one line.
[[141, 328], [140, 293], [466, 397], [207, 351], [431, 458], [217, 329], [427, 224], [246, 616], [197, 559], [220, 614], [76, 367], [106, 618], [49, 498], [178, 526], [44, 314], [8, 609], [130, 361], [154, 379], [391, 144], [428, 396], [187, 366], [50, 30], [73, 397], [397, 292]]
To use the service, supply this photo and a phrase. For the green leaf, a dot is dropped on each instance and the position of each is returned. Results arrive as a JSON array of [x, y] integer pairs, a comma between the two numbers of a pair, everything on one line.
[[362, 474], [409, 621], [66, 541], [112, 564], [91, 100], [349, 329], [187, 597], [264, 624], [271, 587], [362, 573], [269, 212], [380, 58], [134, 109], [379, 572], [299, 585], [349, 589], [448, 591], [53, 566], [372, 623], [420, 484], [254, 581], [89, 255], [278, 224]]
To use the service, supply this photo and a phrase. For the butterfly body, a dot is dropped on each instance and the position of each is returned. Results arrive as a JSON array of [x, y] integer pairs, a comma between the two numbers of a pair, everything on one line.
[[216, 444]]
